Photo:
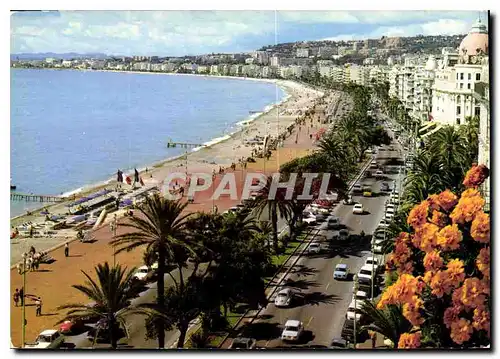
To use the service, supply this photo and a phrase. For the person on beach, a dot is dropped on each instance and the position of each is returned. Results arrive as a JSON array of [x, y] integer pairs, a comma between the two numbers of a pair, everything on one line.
[[66, 250], [16, 297], [38, 304], [119, 178], [136, 177]]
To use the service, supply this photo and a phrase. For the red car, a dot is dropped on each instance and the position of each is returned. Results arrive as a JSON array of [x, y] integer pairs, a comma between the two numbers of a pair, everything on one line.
[[69, 327]]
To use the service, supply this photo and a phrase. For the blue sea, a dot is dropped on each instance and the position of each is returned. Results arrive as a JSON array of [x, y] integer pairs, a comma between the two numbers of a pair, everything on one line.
[[70, 129]]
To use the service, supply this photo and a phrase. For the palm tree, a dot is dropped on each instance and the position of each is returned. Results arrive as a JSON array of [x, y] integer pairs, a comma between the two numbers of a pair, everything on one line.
[[111, 294], [149, 257], [277, 206], [160, 225], [388, 322]]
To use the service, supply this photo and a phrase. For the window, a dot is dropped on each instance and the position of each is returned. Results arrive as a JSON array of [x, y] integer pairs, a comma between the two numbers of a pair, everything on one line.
[[461, 86], [458, 110], [468, 85], [478, 77], [457, 75], [469, 76], [477, 111], [461, 76], [458, 121]]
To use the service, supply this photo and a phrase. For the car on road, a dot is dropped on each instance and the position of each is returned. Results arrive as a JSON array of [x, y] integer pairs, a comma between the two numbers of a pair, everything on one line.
[[314, 248], [354, 310], [358, 209], [141, 273], [373, 165], [243, 343], [321, 217], [378, 246], [356, 188], [333, 222], [341, 271], [379, 174], [293, 330], [69, 327], [367, 191], [361, 295], [389, 214], [338, 343], [384, 223], [309, 218], [374, 263], [348, 200], [384, 187], [47, 339], [394, 198], [365, 275], [315, 208], [284, 298]]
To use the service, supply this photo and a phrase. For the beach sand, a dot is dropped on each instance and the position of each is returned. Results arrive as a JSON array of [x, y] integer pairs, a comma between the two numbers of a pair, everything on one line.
[[53, 282]]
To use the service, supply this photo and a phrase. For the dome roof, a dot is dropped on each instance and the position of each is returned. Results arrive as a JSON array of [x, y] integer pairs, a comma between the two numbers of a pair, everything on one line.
[[476, 41], [431, 63]]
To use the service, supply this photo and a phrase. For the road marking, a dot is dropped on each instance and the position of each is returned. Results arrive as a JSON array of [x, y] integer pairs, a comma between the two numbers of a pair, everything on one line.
[[309, 322], [327, 286]]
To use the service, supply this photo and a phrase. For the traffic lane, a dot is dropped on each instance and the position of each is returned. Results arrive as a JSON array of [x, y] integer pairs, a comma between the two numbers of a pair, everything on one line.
[[325, 299]]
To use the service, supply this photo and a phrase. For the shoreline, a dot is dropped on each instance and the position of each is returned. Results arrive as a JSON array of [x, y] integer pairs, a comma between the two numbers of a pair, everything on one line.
[[291, 89]]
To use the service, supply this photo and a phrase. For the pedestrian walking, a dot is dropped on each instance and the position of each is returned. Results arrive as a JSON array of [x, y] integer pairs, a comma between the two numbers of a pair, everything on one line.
[[21, 296], [66, 250], [16, 297], [38, 304]]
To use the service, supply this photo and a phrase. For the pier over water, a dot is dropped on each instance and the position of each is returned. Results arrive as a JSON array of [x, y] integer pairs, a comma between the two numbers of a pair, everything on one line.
[[16, 196]]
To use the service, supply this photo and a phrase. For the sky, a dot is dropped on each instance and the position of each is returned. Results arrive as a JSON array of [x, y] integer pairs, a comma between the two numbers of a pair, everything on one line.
[[179, 33]]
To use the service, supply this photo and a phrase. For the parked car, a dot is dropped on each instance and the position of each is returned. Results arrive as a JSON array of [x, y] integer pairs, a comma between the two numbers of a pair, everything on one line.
[[379, 174], [314, 248], [343, 234], [348, 200], [354, 311], [338, 343], [365, 275], [341, 271], [333, 222], [243, 343], [373, 165], [374, 263], [47, 339], [389, 214], [284, 298], [141, 273], [384, 187], [358, 209], [293, 330], [361, 295]]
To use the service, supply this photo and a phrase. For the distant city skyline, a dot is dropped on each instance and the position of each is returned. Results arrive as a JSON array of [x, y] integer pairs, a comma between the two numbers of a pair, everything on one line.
[[179, 33]]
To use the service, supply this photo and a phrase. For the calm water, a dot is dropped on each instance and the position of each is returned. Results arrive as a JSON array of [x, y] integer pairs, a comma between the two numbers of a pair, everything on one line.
[[70, 128]]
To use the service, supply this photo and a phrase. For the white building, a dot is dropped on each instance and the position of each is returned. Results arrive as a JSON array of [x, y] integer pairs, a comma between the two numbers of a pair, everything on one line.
[[302, 52], [359, 75], [275, 61], [453, 89]]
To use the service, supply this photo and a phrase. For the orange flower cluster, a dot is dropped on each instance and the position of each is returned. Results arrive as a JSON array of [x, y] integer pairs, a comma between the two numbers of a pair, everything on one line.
[[461, 330], [451, 315], [476, 176], [483, 262], [481, 320], [447, 200], [439, 218], [406, 287], [470, 204], [409, 341], [418, 215], [472, 294], [455, 272], [449, 238], [411, 311], [433, 261], [480, 229], [426, 236]]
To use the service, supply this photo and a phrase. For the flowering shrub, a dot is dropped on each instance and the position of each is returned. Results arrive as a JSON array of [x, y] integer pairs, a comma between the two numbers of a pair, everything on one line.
[[444, 269]]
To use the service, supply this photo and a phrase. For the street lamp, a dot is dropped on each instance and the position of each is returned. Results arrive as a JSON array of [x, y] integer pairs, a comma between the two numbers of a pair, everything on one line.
[[112, 226], [373, 263], [23, 299], [355, 307]]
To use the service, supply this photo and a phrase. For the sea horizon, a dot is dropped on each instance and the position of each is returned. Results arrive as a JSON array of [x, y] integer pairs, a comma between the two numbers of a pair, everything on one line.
[[214, 108]]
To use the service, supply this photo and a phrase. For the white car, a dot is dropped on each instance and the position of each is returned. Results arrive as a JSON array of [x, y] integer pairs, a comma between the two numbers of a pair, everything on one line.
[[356, 188], [383, 223], [365, 275], [283, 298], [141, 273], [315, 209], [358, 209], [341, 271], [389, 214], [309, 219], [333, 222], [377, 246], [293, 330], [379, 173], [314, 247], [361, 295], [353, 311], [372, 262], [243, 343], [48, 339]]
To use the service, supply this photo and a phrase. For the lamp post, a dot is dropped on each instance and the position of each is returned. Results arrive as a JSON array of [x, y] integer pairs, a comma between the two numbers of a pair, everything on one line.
[[373, 265], [112, 226], [23, 273], [355, 308]]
